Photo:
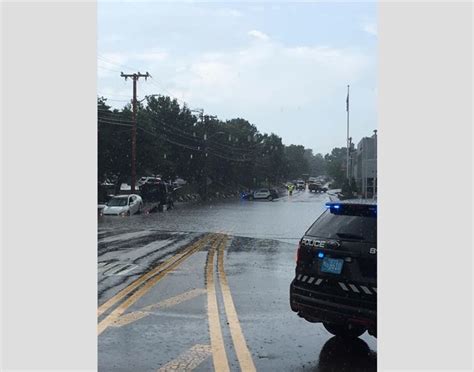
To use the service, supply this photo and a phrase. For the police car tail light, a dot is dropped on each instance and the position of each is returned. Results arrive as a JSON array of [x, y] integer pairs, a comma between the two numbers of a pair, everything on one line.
[[297, 258]]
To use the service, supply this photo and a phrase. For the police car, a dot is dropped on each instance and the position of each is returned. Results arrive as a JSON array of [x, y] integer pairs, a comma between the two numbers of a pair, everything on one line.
[[336, 270]]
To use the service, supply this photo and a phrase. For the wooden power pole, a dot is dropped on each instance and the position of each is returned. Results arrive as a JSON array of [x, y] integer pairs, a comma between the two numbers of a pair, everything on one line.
[[135, 78]]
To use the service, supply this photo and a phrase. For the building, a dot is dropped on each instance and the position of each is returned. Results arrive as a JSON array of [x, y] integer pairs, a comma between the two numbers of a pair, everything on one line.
[[363, 165]]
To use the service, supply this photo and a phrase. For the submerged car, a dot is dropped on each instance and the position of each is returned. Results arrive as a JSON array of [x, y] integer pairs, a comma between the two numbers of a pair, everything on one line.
[[123, 205], [268, 194], [315, 186], [148, 180], [336, 270]]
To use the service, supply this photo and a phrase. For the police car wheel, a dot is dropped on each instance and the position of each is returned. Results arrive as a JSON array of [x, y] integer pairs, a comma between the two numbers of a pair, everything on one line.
[[344, 330]]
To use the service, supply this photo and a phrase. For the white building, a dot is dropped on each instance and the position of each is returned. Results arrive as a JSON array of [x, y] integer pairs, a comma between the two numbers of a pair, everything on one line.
[[364, 165]]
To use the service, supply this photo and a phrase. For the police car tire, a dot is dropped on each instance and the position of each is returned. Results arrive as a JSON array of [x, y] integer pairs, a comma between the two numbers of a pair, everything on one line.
[[344, 330]]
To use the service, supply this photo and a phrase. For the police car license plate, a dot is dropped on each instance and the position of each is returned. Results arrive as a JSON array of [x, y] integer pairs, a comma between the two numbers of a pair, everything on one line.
[[332, 265]]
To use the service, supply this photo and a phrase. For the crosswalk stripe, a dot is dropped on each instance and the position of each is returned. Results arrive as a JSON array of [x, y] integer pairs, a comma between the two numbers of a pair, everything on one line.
[[145, 277], [115, 314], [109, 267], [147, 310], [188, 360]]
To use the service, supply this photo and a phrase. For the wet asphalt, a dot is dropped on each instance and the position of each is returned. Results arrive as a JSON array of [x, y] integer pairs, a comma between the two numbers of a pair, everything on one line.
[[166, 326]]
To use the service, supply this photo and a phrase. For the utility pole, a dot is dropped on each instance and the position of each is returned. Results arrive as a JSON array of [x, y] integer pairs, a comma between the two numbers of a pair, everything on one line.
[[206, 147], [204, 120], [135, 78]]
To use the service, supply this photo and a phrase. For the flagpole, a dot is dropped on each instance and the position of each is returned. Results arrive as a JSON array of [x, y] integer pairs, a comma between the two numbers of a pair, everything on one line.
[[347, 139]]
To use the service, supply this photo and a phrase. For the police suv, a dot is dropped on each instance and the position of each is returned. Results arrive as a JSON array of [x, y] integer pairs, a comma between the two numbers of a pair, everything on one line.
[[336, 270]]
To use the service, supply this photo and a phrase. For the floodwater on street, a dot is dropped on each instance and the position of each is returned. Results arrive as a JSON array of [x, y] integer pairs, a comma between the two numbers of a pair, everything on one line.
[[206, 287]]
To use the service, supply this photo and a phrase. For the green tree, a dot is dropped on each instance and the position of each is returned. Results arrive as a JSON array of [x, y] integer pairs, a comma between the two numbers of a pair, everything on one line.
[[335, 163], [296, 162]]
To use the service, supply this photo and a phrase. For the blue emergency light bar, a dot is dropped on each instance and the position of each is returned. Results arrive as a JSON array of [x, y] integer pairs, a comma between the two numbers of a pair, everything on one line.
[[356, 209]]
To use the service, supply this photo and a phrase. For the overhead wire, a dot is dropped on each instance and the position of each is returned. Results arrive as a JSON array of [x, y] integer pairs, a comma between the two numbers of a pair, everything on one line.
[[112, 123], [198, 145], [153, 81]]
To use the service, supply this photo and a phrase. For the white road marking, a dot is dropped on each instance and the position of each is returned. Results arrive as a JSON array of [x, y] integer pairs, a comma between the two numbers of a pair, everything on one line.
[[366, 290], [107, 267], [188, 360], [354, 288]]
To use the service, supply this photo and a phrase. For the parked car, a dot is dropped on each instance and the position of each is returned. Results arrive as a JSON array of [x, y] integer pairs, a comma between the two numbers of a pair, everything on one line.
[[336, 270], [123, 205], [314, 186], [268, 194], [148, 180], [158, 192], [180, 181], [317, 187]]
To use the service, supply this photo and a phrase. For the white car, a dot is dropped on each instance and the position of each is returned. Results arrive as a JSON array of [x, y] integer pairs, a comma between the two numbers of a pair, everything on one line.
[[269, 194], [300, 185], [123, 205], [148, 180]]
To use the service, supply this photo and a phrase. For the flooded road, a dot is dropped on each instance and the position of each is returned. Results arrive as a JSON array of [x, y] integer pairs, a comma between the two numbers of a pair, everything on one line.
[[205, 287]]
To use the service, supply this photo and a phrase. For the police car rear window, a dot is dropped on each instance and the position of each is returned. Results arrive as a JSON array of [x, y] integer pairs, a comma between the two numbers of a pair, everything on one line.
[[343, 226]]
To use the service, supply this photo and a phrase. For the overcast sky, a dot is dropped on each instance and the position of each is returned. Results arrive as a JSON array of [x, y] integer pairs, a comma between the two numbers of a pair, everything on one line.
[[283, 67]]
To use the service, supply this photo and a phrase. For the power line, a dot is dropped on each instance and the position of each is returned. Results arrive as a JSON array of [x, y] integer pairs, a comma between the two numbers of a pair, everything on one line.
[[133, 68], [112, 123], [118, 100], [116, 120], [107, 69], [112, 94], [217, 149], [197, 147], [115, 63]]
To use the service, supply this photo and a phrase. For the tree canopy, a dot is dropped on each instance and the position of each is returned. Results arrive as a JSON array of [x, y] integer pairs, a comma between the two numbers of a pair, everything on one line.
[[174, 141]]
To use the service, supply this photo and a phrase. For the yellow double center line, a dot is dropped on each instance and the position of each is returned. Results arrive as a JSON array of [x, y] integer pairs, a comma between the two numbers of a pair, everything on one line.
[[219, 356], [217, 344], [145, 282]]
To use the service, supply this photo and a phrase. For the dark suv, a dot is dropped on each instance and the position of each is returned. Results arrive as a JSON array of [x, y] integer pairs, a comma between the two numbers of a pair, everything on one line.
[[336, 270]]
